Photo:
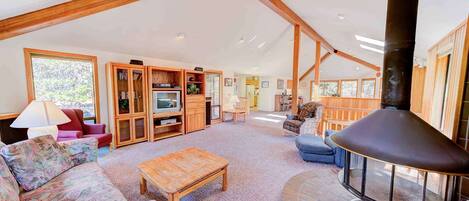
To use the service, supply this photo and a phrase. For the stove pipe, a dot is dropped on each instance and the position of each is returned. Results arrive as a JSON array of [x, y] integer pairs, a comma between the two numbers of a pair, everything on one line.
[[401, 23]]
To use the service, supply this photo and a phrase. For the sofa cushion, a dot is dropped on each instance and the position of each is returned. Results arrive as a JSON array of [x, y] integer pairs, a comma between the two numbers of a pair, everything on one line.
[[292, 125], [103, 139], [36, 161], [83, 182], [313, 144], [9, 189]]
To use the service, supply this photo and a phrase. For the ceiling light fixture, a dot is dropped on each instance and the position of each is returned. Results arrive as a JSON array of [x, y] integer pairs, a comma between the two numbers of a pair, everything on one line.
[[261, 45], [357, 68], [341, 16], [180, 36], [252, 39], [372, 49], [369, 40]]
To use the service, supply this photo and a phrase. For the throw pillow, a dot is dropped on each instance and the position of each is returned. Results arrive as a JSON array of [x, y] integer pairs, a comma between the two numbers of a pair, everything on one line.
[[9, 187], [36, 161], [307, 111]]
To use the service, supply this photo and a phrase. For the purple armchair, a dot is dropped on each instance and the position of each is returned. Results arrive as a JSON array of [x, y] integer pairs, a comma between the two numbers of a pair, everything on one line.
[[76, 128]]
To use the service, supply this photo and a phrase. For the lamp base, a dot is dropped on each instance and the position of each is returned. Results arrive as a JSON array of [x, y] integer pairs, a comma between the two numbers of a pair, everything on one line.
[[40, 131]]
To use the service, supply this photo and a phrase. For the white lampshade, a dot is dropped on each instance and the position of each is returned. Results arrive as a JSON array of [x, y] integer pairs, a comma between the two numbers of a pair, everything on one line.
[[42, 116], [234, 99]]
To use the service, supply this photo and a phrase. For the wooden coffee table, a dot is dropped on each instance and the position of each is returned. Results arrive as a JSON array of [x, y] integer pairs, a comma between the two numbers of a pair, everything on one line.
[[182, 172], [236, 113]]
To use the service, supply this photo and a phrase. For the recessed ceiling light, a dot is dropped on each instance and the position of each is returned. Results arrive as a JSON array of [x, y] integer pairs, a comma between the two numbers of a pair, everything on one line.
[[372, 49], [180, 36], [341, 16], [357, 68], [241, 41], [369, 40], [261, 45], [252, 39]]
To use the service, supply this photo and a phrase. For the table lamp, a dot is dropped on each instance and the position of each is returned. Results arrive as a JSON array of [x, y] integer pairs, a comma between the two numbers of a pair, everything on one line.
[[42, 118]]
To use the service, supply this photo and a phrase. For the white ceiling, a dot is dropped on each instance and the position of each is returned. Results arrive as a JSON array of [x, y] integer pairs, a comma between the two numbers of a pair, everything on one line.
[[213, 29]]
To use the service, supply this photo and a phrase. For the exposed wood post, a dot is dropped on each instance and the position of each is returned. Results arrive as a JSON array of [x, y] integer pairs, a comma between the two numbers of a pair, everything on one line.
[[316, 71], [296, 56], [311, 69]]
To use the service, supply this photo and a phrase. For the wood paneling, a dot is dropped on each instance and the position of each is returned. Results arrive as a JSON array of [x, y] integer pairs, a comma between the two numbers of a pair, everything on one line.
[[346, 109], [418, 85], [296, 57], [455, 44], [53, 15]]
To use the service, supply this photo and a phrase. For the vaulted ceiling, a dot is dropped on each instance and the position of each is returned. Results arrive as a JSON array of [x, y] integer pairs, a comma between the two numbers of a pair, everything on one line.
[[213, 30]]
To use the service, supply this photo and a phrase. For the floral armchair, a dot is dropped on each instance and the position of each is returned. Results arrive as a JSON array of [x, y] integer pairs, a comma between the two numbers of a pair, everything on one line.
[[306, 121]]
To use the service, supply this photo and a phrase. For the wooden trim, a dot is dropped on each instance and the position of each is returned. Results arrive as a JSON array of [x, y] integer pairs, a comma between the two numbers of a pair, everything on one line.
[[357, 60], [288, 14], [8, 116], [28, 52], [296, 56], [53, 15], [323, 58]]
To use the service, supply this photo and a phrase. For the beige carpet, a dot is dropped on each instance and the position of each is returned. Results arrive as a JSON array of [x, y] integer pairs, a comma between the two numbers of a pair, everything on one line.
[[261, 160]]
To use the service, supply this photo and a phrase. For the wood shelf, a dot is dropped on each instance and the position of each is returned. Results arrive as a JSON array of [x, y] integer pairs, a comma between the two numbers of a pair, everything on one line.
[[167, 89], [167, 114], [159, 136], [167, 125]]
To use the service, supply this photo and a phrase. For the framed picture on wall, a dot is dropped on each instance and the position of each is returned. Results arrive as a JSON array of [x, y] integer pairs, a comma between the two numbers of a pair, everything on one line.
[[280, 84], [265, 84], [228, 82]]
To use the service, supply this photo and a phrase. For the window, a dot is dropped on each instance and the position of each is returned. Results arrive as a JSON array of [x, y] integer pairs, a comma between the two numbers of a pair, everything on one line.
[[68, 80], [349, 88], [329, 88], [368, 88]]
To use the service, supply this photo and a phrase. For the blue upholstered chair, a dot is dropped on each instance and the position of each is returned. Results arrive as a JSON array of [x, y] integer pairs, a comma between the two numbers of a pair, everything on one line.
[[315, 149]]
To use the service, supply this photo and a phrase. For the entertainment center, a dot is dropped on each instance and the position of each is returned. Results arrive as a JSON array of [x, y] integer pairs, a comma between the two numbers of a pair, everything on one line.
[[149, 103]]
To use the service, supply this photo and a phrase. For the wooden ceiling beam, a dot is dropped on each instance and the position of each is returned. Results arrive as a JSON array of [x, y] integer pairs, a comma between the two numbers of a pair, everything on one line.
[[288, 14], [311, 69], [357, 60], [53, 15]]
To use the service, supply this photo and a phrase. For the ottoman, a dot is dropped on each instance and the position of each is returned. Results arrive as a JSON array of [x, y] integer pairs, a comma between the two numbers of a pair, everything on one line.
[[313, 149]]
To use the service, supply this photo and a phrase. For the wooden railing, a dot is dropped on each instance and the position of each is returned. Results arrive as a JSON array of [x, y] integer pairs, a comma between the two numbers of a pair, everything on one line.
[[340, 112]]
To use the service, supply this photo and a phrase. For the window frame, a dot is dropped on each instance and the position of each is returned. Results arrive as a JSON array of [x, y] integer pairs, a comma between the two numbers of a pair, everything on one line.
[[374, 87], [348, 80], [29, 52], [338, 87]]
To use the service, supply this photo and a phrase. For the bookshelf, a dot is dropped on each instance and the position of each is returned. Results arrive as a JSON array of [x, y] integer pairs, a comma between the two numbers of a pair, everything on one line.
[[195, 100]]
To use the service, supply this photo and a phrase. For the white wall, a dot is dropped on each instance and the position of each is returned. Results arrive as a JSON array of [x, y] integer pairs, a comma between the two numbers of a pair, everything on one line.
[[13, 76]]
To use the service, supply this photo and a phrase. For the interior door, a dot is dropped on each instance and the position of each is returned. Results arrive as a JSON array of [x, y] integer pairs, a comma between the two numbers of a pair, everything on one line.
[[440, 90], [122, 91]]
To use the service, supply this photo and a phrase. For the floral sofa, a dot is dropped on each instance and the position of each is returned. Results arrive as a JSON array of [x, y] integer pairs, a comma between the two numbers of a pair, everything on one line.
[[42, 169], [306, 121]]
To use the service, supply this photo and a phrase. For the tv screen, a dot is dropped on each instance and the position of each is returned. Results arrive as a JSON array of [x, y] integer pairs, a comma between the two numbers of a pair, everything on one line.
[[167, 100]]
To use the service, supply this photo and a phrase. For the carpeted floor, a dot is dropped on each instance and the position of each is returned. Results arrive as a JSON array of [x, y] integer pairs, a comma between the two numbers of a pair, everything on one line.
[[261, 160]]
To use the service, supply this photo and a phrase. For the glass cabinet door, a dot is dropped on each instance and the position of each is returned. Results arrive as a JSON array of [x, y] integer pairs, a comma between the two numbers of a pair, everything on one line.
[[138, 91], [213, 83], [140, 125], [122, 91], [124, 131]]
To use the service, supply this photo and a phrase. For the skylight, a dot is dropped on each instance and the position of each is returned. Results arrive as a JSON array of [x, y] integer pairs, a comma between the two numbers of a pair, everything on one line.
[[369, 40], [372, 49]]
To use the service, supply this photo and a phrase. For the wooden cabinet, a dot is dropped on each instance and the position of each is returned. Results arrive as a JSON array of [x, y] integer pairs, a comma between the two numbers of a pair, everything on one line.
[[129, 95], [195, 100]]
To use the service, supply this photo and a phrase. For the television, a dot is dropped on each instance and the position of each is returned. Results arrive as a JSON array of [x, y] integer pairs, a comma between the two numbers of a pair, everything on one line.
[[166, 101]]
